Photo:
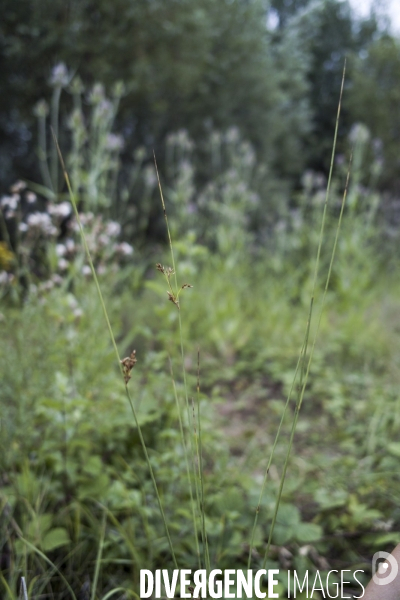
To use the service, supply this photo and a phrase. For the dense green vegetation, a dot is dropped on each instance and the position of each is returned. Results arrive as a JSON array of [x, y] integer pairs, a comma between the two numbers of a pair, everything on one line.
[[242, 120], [201, 65]]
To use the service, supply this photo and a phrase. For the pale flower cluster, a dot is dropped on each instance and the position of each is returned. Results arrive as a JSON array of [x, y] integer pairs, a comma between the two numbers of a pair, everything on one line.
[[48, 231]]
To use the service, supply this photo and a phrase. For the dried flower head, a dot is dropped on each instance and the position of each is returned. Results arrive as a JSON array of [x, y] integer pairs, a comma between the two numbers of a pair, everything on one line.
[[173, 298], [167, 271], [127, 365]]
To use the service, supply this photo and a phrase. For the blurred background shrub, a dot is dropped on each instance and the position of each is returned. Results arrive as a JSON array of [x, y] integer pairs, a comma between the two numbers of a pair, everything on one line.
[[199, 65]]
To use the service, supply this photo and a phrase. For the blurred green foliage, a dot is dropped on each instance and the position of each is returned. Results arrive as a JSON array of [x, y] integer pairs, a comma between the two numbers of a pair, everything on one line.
[[71, 462], [184, 63], [201, 65], [374, 100], [235, 113]]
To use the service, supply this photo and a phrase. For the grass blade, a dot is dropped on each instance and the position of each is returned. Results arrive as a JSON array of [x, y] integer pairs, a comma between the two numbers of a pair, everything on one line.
[[74, 205], [303, 353]]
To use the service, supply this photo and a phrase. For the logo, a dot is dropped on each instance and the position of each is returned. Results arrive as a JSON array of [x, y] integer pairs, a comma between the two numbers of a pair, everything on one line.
[[386, 570]]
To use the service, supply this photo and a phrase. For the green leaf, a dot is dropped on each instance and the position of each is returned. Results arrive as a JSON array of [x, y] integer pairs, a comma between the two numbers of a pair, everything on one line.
[[55, 538], [381, 539], [328, 499], [394, 448], [288, 515], [283, 534], [308, 532], [93, 466]]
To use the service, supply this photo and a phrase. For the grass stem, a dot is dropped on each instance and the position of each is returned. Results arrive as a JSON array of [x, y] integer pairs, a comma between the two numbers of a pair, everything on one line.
[[99, 292]]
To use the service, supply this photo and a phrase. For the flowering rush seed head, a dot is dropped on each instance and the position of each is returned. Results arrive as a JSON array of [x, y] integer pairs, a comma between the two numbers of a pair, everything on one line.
[[127, 365], [173, 299]]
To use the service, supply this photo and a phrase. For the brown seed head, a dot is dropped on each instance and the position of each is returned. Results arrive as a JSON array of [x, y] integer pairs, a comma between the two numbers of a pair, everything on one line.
[[127, 365], [173, 299]]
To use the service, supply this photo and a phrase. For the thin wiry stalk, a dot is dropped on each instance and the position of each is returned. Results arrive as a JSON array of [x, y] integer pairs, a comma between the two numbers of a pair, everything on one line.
[[192, 443], [54, 112], [124, 534], [85, 245], [7, 586], [120, 589], [297, 409], [289, 397], [176, 287], [98, 558], [23, 591], [199, 448], [303, 353], [300, 400], [328, 186], [42, 152], [73, 202], [187, 464], [48, 561], [195, 457]]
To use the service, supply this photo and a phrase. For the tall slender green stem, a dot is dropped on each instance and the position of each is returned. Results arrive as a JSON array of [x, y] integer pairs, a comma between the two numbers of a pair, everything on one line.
[[98, 559], [73, 202], [309, 362], [192, 437], [187, 465], [199, 449], [302, 359], [55, 106]]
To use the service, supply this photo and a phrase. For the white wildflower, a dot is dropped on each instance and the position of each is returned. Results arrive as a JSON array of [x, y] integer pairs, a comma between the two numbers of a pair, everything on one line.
[[124, 249], [113, 229], [86, 218], [103, 110], [60, 211], [114, 142], [59, 76], [56, 279], [63, 264], [30, 197], [70, 246], [10, 202], [61, 250], [103, 240], [41, 222], [18, 186]]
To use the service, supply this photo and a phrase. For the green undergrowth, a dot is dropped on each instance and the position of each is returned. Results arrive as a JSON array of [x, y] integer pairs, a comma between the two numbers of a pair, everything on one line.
[[70, 452], [108, 466]]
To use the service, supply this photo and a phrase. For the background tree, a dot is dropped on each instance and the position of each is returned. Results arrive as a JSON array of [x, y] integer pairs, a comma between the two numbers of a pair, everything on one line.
[[328, 32], [374, 99], [184, 63], [201, 64]]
